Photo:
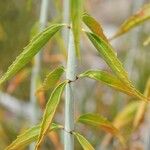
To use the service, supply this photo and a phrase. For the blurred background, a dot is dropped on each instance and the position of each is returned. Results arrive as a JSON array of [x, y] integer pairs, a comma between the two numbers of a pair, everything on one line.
[[19, 22]]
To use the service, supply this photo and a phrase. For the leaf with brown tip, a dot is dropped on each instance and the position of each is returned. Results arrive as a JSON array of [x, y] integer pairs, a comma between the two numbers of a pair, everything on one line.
[[141, 16], [93, 25], [101, 122]]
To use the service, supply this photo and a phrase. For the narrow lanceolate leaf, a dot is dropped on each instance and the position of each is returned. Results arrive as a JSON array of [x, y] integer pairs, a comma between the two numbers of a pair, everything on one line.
[[52, 78], [106, 78], [147, 41], [143, 107], [141, 16], [30, 50], [49, 112], [93, 25], [76, 13], [108, 54], [29, 136], [101, 122], [126, 115], [84, 143]]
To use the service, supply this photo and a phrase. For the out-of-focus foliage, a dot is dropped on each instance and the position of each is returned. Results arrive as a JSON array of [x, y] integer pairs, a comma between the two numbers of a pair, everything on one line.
[[146, 42], [141, 16], [142, 108]]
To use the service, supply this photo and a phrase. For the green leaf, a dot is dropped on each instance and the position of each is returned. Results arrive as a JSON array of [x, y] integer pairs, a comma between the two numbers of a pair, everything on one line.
[[101, 122], [141, 16], [76, 13], [147, 41], [49, 112], [108, 54], [93, 25], [52, 78], [106, 78], [28, 137], [84, 143], [30, 50]]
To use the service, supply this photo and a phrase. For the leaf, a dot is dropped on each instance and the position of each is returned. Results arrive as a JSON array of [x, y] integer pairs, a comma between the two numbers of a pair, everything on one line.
[[51, 79], [141, 16], [101, 122], [30, 50], [84, 143], [49, 112], [108, 54], [147, 41], [76, 13], [126, 115], [106, 78], [94, 26], [142, 108], [28, 137]]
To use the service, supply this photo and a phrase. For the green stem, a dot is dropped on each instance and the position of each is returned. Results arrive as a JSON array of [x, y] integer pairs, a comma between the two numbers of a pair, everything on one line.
[[66, 19], [69, 99]]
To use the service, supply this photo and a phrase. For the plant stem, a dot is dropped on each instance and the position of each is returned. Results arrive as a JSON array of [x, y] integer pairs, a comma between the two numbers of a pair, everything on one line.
[[69, 100], [66, 19], [37, 61], [70, 75], [37, 66]]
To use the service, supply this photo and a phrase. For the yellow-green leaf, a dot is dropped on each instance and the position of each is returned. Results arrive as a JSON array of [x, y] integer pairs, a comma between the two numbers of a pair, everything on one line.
[[101, 122], [106, 78], [147, 41], [93, 25], [76, 14], [142, 108], [49, 112], [108, 54], [84, 143], [141, 16], [52, 78], [28, 137], [126, 115], [123, 119], [30, 50]]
